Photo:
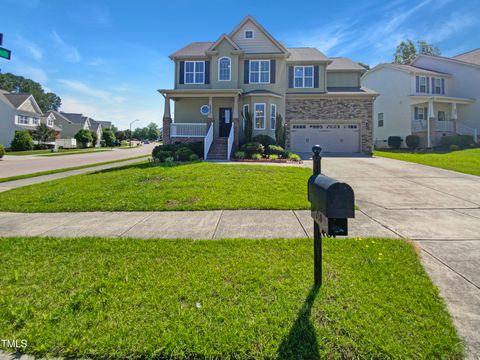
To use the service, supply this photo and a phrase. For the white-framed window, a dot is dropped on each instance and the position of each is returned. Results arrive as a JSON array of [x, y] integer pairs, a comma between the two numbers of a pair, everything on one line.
[[50, 122], [245, 111], [420, 113], [35, 121], [259, 71], [224, 69], [194, 72], [23, 120], [441, 116], [248, 34], [259, 116], [380, 119], [437, 86], [303, 77], [273, 116]]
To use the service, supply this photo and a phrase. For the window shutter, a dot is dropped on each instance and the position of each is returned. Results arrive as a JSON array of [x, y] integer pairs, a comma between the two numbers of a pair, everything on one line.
[[207, 72], [272, 71], [181, 74], [246, 72], [425, 113], [443, 86], [315, 77], [418, 83], [416, 110], [290, 76], [428, 85]]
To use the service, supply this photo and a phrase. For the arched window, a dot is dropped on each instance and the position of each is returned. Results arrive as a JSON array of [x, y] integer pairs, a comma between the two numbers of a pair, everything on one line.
[[224, 69]]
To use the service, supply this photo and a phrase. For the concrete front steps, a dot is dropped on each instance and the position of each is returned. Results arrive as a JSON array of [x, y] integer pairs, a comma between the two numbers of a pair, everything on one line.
[[218, 150]]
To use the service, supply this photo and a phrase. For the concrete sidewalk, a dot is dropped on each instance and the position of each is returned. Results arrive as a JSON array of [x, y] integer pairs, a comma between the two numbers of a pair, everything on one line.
[[8, 185]]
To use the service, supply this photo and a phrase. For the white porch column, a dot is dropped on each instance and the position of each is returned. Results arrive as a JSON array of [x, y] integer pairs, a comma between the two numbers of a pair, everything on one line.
[[431, 115], [236, 125], [210, 109], [454, 117]]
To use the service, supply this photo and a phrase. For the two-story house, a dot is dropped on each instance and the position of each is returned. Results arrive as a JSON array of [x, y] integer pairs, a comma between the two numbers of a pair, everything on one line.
[[249, 71], [432, 97], [20, 112]]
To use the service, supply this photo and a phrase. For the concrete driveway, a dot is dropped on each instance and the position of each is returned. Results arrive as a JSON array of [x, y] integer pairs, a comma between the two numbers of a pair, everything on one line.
[[440, 209], [12, 165]]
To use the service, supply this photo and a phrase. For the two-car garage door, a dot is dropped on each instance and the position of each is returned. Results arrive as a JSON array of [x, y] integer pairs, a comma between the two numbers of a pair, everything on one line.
[[339, 138]]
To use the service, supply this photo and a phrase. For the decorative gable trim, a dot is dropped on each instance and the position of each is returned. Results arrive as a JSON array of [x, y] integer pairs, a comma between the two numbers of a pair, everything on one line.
[[34, 103], [224, 37]]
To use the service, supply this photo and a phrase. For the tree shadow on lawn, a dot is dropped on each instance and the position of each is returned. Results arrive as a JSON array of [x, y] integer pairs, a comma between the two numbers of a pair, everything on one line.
[[301, 341]]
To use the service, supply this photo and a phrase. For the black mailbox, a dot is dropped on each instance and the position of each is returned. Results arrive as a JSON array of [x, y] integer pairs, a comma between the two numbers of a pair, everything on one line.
[[332, 203]]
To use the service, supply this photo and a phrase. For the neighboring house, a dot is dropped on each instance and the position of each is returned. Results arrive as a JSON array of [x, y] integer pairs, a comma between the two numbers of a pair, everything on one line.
[[247, 70], [19, 112], [432, 97], [71, 123]]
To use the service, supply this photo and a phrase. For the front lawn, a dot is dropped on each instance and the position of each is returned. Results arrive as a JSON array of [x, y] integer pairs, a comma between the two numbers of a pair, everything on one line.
[[143, 299], [198, 186], [465, 161]]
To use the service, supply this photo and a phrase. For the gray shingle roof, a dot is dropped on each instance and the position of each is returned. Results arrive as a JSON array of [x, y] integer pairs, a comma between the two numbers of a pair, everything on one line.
[[306, 54], [17, 99], [417, 69], [472, 57], [342, 64], [193, 49], [105, 124], [74, 118]]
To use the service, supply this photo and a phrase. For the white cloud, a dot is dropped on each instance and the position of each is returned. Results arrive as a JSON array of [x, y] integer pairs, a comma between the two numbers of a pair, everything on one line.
[[71, 104], [67, 51], [29, 47], [84, 89], [97, 62]]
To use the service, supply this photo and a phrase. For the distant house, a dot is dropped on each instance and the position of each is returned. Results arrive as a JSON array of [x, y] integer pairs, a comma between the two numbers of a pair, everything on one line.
[[71, 123], [20, 112], [434, 96]]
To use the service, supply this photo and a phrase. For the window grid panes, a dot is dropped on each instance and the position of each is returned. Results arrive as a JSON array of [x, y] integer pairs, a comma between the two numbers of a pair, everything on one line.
[[259, 114], [23, 120], [194, 72], [224, 69], [273, 116], [303, 76], [380, 119], [259, 71], [423, 84]]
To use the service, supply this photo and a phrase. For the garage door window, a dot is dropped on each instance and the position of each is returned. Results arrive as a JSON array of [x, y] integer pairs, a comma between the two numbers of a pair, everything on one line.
[[259, 115]]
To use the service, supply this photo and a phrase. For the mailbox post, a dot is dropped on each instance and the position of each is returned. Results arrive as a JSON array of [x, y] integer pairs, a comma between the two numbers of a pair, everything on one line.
[[332, 204]]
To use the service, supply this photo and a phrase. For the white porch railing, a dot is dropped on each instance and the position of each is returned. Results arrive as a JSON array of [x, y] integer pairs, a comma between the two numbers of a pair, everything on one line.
[[463, 129], [188, 129], [446, 125], [230, 141], [419, 125], [207, 141]]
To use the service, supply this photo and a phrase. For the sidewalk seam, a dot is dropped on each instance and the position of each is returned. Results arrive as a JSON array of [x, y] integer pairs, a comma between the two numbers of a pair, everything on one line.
[[217, 224], [139, 222], [303, 227]]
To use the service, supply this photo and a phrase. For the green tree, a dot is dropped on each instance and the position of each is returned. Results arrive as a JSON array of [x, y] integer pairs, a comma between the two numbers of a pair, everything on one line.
[[46, 101], [153, 132], [407, 51], [280, 130], [84, 137], [22, 141], [109, 137], [120, 135], [94, 137], [247, 118], [43, 134], [2, 151]]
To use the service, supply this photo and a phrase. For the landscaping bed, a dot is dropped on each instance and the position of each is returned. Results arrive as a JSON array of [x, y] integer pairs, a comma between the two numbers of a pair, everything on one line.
[[188, 186], [465, 161], [127, 298]]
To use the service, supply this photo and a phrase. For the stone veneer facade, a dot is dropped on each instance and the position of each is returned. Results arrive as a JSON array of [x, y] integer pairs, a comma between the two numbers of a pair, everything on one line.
[[318, 110]]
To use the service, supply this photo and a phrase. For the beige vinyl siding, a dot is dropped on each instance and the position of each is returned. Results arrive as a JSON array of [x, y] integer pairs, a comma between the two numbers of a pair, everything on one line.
[[187, 110], [224, 49], [260, 42], [343, 79], [267, 100], [321, 78], [280, 81], [28, 106], [7, 123], [190, 86]]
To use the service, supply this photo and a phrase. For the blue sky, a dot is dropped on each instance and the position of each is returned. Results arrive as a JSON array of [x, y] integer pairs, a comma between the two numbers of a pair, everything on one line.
[[108, 58]]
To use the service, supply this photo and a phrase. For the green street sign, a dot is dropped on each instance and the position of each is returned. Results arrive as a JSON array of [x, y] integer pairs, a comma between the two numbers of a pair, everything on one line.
[[4, 53]]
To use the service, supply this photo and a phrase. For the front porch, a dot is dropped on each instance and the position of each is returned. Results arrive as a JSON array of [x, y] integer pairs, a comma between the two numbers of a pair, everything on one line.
[[434, 117], [211, 116]]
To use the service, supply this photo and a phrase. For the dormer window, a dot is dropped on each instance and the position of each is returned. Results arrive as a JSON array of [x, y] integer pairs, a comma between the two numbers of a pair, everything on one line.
[[248, 34], [50, 122]]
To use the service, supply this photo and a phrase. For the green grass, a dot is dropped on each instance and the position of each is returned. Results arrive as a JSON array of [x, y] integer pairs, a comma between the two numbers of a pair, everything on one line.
[[26, 176], [197, 186], [137, 299], [465, 161]]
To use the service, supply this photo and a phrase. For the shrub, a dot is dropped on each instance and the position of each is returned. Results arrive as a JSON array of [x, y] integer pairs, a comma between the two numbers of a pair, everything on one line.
[[412, 141], [462, 141], [2, 151], [256, 156], [183, 154], [84, 137], [252, 148], [193, 157], [240, 155], [454, 147], [124, 143], [170, 161], [273, 157], [22, 141], [162, 155], [294, 157], [280, 130], [43, 133], [275, 150], [247, 118], [394, 142], [265, 140], [109, 137]]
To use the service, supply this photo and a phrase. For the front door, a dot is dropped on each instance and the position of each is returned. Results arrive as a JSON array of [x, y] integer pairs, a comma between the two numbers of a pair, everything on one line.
[[225, 122]]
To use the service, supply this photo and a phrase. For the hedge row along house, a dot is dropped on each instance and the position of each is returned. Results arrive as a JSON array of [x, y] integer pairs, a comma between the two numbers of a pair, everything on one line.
[[21, 112], [248, 71]]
